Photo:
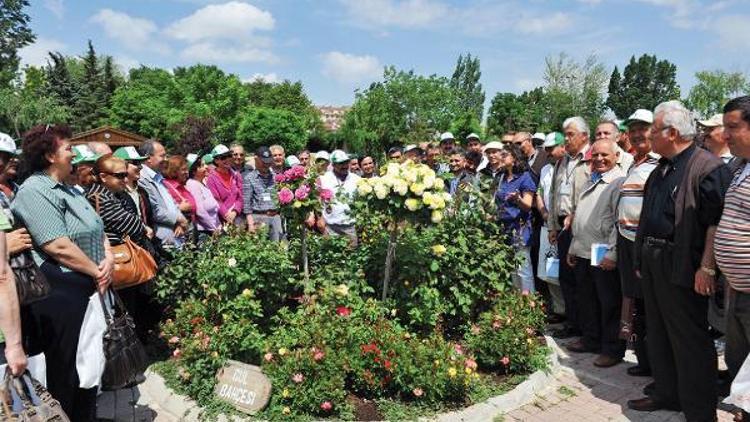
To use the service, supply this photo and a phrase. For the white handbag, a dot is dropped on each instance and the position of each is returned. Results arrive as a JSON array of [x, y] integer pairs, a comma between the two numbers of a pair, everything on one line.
[[90, 358]]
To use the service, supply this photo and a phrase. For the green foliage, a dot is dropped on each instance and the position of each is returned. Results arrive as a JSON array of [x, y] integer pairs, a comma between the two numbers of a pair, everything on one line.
[[286, 95], [90, 98], [266, 126], [404, 108], [465, 83], [464, 124], [714, 89], [15, 34], [505, 338], [645, 83], [23, 108]]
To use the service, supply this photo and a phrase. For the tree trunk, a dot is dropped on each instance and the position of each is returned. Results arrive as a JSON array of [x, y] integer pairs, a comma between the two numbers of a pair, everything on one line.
[[389, 256], [305, 266]]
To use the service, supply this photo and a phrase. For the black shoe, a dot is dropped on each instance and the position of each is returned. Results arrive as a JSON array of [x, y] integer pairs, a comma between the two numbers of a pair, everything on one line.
[[577, 346], [647, 404], [639, 371], [649, 389], [566, 332]]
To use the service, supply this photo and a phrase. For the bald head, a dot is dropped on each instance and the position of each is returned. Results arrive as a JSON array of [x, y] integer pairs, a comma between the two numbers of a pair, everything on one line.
[[99, 148]]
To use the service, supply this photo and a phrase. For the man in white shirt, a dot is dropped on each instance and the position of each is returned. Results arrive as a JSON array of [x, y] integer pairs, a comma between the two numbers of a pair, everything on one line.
[[341, 182], [716, 143]]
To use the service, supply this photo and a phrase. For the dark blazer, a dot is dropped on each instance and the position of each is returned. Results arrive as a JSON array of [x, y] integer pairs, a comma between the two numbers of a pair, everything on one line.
[[539, 162]]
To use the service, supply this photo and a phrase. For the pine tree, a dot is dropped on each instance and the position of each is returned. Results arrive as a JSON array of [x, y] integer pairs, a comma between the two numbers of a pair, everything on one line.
[[465, 83], [90, 101], [109, 80], [645, 83], [59, 81]]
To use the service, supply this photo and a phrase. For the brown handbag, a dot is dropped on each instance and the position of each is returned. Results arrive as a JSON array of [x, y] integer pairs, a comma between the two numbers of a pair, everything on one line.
[[24, 399], [133, 264]]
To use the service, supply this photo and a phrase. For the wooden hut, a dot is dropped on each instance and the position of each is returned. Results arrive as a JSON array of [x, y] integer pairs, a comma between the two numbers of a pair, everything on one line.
[[113, 137]]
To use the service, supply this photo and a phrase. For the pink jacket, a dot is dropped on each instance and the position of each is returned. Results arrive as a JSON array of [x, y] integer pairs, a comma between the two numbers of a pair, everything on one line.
[[228, 198]]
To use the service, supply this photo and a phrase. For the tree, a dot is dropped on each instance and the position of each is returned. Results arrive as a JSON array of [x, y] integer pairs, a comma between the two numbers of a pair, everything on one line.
[[90, 99], [111, 79], [714, 89], [285, 95], [265, 126], [23, 106], [464, 124], [465, 83], [59, 81], [196, 135], [525, 112], [404, 108], [644, 84], [14, 35], [573, 88]]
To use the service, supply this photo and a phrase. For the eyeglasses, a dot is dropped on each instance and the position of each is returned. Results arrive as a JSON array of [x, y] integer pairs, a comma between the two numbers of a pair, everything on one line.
[[119, 175], [237, 154]]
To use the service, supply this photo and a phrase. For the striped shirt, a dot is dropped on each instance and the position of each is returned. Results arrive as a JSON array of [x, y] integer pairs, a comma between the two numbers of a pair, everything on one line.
[[258, 192], [50, 210], [631, 196], [118, 221], [732, 239]]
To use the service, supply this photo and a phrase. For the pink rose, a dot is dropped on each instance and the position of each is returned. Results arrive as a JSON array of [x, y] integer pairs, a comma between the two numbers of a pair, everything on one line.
[[268, 357], [177, 353], [299, 171], [475, 329], [318, 355], [458, 348], [496, 324], [525, 293], [417, 392], [326, 194], [298, 378], [505, 360], [286, 196], [470, 363], [326, 405], [302, 192], [174, 340], [279, 178], [343, 311]]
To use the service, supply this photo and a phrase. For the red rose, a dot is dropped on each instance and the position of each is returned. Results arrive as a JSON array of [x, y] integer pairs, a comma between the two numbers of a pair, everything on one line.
[[343, 311]]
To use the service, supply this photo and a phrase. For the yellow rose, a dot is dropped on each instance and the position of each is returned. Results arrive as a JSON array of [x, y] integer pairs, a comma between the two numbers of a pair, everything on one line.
[[297, 204], [285, 393], [381, 191], [439, 250], [247, 293], [364, 189], [283, 351], [437, 216], [452, 372], [439, 184], [392, 169], [428, 182], [286, 410], [341, 290], [412, 204], [467, 370]]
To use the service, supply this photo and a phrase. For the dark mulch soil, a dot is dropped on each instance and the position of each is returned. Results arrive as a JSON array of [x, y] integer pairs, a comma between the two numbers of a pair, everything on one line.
[[365, 410]]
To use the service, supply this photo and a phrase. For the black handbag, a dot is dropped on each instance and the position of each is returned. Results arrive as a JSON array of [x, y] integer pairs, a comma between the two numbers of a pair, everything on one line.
[[24, 399], [124, 354], [31, 284]]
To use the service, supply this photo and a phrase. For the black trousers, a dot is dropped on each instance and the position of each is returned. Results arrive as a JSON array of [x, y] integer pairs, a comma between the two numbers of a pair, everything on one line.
[[631, 288], [53, 325], [682, 354], [600, 302], [568, 280]]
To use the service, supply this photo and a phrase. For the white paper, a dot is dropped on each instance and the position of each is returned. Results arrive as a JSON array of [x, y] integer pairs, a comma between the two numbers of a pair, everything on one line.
[[90, 358], [598, 250]]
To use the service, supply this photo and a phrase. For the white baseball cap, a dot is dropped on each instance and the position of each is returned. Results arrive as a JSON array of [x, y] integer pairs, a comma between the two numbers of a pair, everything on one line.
[[715, 121], [553, 139], [220, 150], [7, 144], [292, 161], [493, 145], [472, 135], [539, 135], [338, 156], [322, 155], [640, 115], [447, 136]]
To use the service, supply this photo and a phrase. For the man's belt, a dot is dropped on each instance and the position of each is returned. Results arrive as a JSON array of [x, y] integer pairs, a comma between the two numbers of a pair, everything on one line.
[[269, 213], [656, 242]]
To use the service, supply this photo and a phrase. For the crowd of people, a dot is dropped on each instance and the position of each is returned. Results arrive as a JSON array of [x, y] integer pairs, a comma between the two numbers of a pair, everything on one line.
[[626, 235]]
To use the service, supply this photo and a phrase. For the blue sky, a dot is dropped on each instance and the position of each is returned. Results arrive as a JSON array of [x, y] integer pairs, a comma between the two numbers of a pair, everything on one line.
[[335, 46]]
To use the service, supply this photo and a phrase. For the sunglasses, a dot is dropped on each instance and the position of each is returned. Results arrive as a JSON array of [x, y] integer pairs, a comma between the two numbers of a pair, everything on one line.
[[120, 175]]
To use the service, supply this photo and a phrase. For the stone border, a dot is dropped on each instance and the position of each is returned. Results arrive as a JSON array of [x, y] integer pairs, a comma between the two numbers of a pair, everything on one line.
[[523, 394], [166, 403]]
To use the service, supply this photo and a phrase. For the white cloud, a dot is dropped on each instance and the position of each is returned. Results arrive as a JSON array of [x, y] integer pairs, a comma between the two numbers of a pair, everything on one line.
[[220, 53], [227, 21], [271, 78], [37, 54], [397, 13], [348, 68], [126, 63], [56, 7], [733, 32], [132, 32], [554, 24]]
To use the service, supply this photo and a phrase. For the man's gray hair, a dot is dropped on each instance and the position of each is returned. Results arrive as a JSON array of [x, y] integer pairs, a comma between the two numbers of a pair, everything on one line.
[[147, 148], [676, 115], [580, 124], [236, 145], [610, 122], [612, 145]]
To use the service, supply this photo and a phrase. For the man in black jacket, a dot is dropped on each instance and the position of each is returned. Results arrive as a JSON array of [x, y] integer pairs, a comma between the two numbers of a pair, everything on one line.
[[674, 258]]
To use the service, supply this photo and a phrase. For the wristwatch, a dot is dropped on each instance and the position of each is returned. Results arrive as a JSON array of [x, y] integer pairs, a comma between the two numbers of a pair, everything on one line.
[[709, 271]]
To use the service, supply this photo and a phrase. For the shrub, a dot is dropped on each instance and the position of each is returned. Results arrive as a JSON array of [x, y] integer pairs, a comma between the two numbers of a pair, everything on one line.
[[506, 337]]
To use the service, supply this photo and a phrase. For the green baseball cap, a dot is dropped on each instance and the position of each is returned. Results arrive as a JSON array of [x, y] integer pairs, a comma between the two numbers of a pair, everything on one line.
[[191, 159], [83, 154], [128, 154], [208, 158]]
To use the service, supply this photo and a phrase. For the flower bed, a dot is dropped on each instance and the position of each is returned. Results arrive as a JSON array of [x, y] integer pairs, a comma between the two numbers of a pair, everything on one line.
[[452, 333]]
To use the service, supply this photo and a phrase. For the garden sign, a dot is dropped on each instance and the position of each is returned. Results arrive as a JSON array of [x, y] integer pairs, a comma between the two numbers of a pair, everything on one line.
[[243, 386]]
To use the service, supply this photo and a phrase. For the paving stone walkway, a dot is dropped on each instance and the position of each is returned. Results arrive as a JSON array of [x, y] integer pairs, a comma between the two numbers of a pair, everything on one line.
[[583, 392]]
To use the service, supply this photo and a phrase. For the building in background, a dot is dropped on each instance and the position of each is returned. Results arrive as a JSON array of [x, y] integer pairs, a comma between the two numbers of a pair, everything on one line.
[[332, 117], [115, 138]]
